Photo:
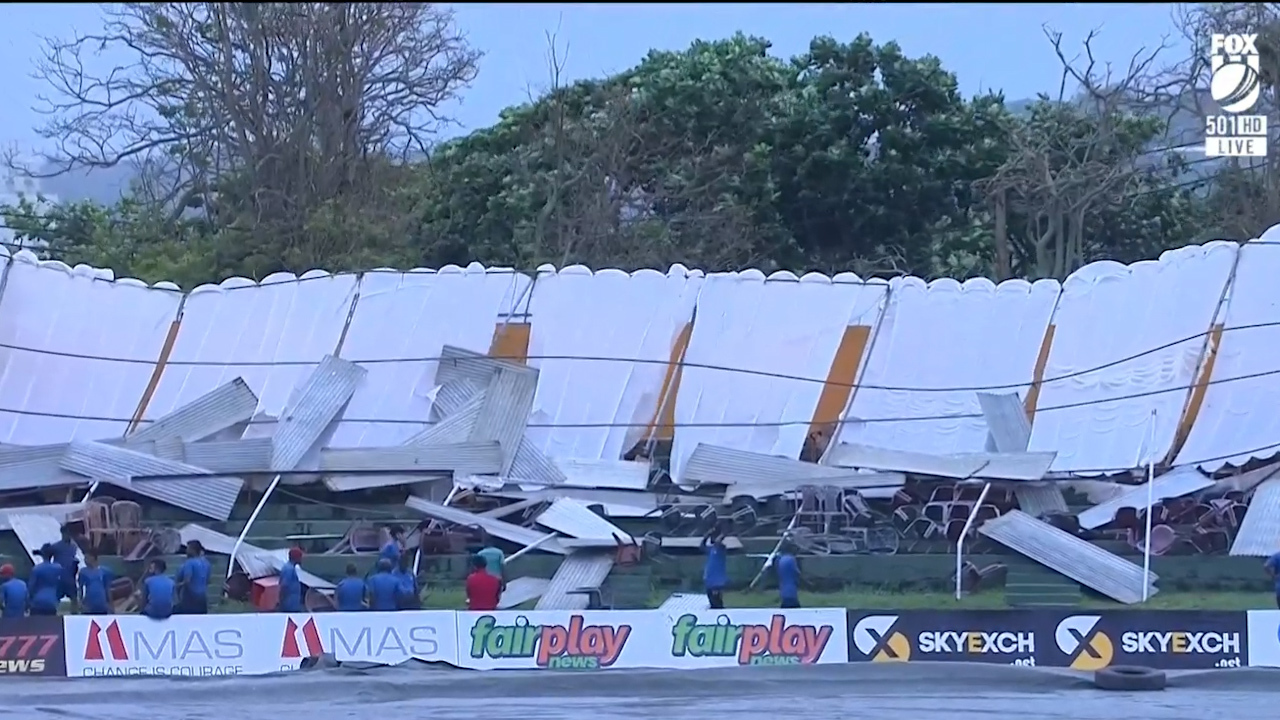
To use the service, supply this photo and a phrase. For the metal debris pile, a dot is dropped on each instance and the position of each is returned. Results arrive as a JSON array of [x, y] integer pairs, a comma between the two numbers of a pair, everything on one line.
[[474, 468]]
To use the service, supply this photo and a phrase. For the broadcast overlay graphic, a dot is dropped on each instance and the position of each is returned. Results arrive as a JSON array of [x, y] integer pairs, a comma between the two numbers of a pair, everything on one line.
[[1235, 84]]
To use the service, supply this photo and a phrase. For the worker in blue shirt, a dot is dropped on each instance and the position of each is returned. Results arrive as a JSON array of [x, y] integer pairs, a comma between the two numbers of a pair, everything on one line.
[[157, 592], [289, 585], [407, 592], [46, 580], [715, 573], [349, 595], [788, 580], [394, 547], [95, 582], [193, 581], [383, 587], [67, 555], [13, 594]]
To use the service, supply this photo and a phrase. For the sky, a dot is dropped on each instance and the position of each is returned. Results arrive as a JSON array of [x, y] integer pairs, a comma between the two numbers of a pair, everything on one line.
[[989, 46]]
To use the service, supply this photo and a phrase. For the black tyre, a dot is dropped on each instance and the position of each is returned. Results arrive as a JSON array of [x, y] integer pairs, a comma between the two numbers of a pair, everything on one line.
[[1127, 678]]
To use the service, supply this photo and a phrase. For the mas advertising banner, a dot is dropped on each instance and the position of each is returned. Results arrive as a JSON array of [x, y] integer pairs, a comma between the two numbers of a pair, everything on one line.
[[32, 646], [558, 640], [724, 638], [389, 638], [184, 645], [999, 637], [1169, 640]]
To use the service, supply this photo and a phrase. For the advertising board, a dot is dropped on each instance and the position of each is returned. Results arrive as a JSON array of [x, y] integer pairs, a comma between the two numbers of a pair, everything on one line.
[[184, 645], [389, 638], [558, 639], [1164, 639], [1168, 640], [32, 646], [1263, 638], [1001, 637], [724, 638]]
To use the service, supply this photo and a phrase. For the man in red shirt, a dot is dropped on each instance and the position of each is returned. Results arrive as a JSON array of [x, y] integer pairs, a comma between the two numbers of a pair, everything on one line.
[[483, 589]]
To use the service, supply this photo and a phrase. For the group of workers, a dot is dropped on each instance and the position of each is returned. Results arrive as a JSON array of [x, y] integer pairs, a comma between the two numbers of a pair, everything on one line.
[[715, 573], [393, 585], [58, 576]]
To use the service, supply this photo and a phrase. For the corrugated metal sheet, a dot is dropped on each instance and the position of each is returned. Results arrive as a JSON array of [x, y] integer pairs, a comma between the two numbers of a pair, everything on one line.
[[1246, 481], [319, 401], [497, 528], [532, 465], [35, 466], [872, 484], [960, 466], [715, 465], [507, 403], [1078, 559], [461, 365], [1259, 533], [452, 430], [169, 448], [1040, 499], [230, 456], [521, 591], [35, 531], [62, 514], [212, 412], [584, 569], [681, 603], [1009, 430], [572, 518], [256, 562], [472, 458], [604, 474], [211, 496], [617, 503], [452, 396], [1175, 483]]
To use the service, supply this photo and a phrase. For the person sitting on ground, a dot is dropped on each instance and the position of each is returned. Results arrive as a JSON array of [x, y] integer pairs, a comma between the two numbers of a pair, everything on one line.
[[46, 581], [484, 591], [157, 592], [788, 580], [13, 594], [95, 583], [290, 585], [407, 592], [349, 595], [383, 587], [67, 555], [193, 581], [715, 573]]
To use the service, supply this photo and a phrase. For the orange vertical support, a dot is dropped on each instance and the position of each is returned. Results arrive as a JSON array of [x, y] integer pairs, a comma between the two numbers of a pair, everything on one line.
[[1042, 361], [511, 342], [840, 380], [663, 424]]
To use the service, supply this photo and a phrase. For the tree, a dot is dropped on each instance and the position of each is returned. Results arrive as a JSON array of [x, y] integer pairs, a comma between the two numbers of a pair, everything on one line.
[[851, 156], [284, 123]]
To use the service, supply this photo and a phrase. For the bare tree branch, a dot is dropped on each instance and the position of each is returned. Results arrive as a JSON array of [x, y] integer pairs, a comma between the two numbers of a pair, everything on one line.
[[300, 100]]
